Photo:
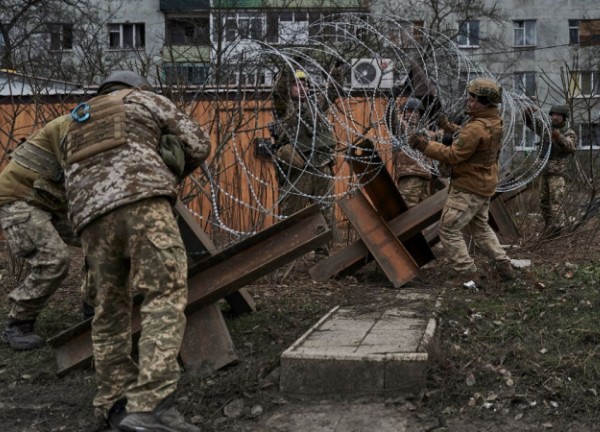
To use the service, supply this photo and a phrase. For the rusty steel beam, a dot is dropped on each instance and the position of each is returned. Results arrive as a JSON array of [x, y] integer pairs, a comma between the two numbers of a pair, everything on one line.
[[199, 247], [397, 264], [356, 255], [378, 185], [501, 221], [217, 276]]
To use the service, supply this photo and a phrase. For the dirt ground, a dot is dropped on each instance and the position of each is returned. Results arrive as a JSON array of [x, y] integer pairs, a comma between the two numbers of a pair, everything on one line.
[[519, 356]]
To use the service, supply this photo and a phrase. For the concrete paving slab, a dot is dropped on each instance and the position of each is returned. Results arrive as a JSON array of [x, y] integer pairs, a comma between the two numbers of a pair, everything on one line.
[[354, 352], [328, 417]]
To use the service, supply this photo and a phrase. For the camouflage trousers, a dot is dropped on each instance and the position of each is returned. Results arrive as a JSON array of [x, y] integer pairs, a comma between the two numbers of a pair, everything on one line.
[[466, 210], [302, 188], [552, 195], [413, 189], [137, 247], [30, 235]]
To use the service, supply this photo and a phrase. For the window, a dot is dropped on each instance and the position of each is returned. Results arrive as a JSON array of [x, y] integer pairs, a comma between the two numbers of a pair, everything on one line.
[[287, 27], [524, 33], [61, 36], [187, 73], [525, 83], [126, 36], [468, 34], [331, 26], [586, 83], [573, 32], [526, 140], [192, 31], [244, 26], [589, 135]]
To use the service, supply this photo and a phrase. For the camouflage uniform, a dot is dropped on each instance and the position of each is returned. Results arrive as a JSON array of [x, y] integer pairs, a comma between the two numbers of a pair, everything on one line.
[[473, 157], [553, 187], [303, 125], [33, 218], [411, 178], [119, 191]]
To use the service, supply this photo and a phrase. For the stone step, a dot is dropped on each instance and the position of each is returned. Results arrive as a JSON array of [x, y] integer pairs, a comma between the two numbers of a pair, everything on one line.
[[352, 351]]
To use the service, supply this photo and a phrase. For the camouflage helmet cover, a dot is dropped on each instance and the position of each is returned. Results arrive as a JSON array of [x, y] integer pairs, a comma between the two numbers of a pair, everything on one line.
[[413, 104], [128, 78], [559, 109], [487, 88]]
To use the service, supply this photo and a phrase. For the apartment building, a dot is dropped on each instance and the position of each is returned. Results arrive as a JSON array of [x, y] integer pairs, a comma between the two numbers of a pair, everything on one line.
[[549, 50]]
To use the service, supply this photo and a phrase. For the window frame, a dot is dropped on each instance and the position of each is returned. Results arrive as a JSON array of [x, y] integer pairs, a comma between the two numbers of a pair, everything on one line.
[[522, 26], [60, 36], [521, 83], [232, 26], [198, 26], [580, 136], [193, 68], [135, 34], [577, 83], [468, 35], [574, 32]]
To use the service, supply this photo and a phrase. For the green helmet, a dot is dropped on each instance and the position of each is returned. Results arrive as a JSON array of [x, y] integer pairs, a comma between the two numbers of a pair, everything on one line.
[[413, 104], [128, 78], [559, 109], [486, 88]]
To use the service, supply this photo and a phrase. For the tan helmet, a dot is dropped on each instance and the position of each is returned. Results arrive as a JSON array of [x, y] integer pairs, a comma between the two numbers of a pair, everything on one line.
[[486, 88], [559, 109]]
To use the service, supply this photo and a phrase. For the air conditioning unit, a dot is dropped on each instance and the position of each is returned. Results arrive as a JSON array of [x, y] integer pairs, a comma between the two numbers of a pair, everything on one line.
[[372, 73]]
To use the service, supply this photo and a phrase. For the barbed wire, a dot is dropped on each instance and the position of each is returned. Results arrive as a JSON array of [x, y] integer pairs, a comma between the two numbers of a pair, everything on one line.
[[347, 62]]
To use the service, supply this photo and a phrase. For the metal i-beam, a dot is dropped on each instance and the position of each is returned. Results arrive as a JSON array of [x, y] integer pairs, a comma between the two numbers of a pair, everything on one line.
[[199, 246], [378, 185], [392, 257], [217, 276], [405, 226]]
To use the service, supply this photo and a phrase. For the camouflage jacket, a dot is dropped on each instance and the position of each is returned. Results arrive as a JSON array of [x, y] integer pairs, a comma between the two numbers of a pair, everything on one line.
[[105, 178], [33, 174], [304, 123], [561, 149], [473, 155], [403, 165]]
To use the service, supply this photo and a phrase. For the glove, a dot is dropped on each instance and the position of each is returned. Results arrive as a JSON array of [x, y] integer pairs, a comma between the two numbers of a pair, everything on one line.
[[418, 141], [442, 121], [556, 135]]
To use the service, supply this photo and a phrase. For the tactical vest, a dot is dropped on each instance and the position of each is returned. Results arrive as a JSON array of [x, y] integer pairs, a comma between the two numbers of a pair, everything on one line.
[[38, 160], [487, 155], [107, 128]]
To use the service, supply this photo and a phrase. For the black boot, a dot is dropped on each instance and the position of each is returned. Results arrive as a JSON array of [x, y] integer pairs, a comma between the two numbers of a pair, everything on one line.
[[20, 336]]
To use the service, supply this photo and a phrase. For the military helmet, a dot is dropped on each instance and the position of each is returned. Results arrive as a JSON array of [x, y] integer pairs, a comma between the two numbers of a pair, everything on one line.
[[486, 88], [559, 109], [413, 104], [128, 78]]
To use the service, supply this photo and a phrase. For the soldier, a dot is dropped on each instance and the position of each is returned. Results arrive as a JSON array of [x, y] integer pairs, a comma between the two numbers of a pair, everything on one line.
[[305, 147], [473, 158], [33, 218], [412, 178], [124, 154], [563, 142]]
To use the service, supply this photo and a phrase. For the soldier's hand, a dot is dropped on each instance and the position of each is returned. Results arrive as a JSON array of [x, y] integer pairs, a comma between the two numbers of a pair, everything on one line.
[[556, 135], [443, 121], [418, 141], [529, 110]]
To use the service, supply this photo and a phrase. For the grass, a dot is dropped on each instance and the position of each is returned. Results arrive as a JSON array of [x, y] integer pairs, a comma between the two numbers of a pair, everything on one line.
[[532, 346]]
